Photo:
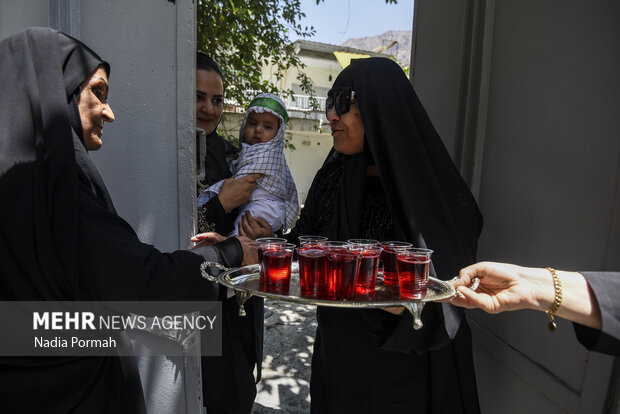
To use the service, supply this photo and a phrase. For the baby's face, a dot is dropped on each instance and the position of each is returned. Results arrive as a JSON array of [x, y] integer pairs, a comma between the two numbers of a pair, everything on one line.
[[260, 127]]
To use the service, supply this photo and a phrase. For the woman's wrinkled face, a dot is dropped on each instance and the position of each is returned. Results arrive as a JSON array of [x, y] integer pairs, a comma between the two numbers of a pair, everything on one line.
[[94, 108], [209, 100], [347, 130]]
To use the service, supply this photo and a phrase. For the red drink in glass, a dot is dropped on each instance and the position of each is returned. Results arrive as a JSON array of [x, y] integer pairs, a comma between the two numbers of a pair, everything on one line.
[[312, 272], [312, 245], [390, 274], [342, 268], [277, 265], [267, 243], [413, 269], [388, 258], [366, 279]]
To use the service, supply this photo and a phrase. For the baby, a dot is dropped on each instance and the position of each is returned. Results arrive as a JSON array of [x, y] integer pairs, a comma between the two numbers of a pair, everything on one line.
[[262, 145]]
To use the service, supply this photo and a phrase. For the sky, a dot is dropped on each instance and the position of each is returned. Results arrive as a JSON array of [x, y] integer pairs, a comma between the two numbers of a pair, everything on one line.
[[336, 21]]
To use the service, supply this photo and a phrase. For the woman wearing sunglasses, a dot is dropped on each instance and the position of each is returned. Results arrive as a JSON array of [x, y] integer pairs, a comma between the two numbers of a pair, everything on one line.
[[389, 177]]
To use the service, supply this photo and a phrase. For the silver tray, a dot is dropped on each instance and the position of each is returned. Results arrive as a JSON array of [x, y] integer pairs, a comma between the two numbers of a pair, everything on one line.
[[245, 282]]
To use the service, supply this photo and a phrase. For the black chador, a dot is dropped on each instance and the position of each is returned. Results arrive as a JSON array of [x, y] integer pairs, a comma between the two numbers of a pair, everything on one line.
[[371, 361], [60, 238]]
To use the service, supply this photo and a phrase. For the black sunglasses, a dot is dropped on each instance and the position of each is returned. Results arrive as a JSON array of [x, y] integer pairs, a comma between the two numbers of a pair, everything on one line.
[[340, 99]]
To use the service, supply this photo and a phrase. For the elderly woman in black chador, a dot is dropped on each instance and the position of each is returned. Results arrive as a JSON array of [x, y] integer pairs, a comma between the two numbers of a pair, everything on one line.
[[60, 238], [389, 177]]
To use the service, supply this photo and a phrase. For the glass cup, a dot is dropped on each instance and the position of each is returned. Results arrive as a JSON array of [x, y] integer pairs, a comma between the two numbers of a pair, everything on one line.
[[275, 261], [312, 271], [413, 266], [388, 258], [264, 240], [335, 244], [363, 242], [276, 240], [366, 279], [313, 240], [342, 268]]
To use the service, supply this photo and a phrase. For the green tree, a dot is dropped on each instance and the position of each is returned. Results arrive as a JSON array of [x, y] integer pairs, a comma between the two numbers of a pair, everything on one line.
[[245, 35]]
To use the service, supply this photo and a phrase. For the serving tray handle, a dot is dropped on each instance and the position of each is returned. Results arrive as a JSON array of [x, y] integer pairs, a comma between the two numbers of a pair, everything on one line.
[[242, 297], [203, 270]]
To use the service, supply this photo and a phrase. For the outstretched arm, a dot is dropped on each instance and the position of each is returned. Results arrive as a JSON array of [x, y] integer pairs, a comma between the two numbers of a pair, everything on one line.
[[507, 287]]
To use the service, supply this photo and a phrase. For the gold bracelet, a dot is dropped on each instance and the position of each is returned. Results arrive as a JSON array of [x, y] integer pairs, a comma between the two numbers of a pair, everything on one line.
[[557, 286]]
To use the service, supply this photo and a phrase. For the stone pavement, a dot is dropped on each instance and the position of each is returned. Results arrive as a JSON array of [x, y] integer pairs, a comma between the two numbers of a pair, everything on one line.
[[289, 337]]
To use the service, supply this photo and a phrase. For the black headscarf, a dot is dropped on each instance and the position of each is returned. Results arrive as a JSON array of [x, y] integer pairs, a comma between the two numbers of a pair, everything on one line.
[[37, 164], [60, 239], [431, 202], [43, 154]]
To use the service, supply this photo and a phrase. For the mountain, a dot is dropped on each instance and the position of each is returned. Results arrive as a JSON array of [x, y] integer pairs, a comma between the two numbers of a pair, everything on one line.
[[401, 49]]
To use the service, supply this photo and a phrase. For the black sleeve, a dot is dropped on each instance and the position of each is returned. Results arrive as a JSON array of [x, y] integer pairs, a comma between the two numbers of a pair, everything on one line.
[[116, 265], [595, 340], [606, 286], [229, 252]]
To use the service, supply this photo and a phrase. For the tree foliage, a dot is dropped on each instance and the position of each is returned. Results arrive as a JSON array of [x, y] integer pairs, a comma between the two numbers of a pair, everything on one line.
[[243, 36]]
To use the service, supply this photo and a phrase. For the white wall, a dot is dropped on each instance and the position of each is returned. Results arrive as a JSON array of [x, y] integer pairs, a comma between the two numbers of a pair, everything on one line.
[[319, 70], [151, 48]]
